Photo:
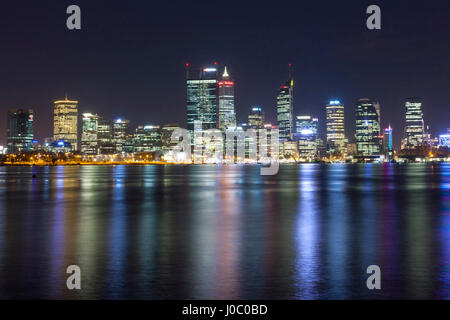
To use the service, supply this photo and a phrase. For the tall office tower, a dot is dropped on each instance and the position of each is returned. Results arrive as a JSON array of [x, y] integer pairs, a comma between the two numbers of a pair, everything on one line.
[[89, 134], [306, 136], [202, 97], [121, 131], [65, 122], [378, 110], [414, 130], [388, 147], [105, 137], [256, 118], [367, 128], [147, 139], [20, 130], [285, 101], [227, 115], [335, 127]]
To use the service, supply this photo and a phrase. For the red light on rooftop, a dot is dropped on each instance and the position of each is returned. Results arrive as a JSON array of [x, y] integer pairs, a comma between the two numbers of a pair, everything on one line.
[[187, 64], [215, 63]]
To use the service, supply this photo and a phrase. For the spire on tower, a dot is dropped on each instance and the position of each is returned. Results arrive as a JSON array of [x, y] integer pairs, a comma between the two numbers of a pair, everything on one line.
[[291, 80], [225, 73]]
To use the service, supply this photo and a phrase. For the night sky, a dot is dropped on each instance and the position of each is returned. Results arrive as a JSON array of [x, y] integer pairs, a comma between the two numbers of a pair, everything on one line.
[[129, 58]]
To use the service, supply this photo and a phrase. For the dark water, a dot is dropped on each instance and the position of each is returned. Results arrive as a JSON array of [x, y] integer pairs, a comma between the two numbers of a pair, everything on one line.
[[206, 232]]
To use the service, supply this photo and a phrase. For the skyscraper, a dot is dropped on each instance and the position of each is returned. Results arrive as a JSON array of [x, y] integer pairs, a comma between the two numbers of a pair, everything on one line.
[[121, 131], [335, 127], [227, 115], [367, 128], [202, 97], [89, 134], [256, 118], [65, 122], [20, 130], [414, 130], [105, 137], [285, 101], [306, 136]]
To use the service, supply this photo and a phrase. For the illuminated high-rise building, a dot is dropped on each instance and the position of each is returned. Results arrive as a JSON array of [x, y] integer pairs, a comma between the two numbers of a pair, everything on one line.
[[105, 137], [256, 117], [367, 128], [306, 136], [65, 122], [388, 147], [89, 134], [414, 130], [20, 130], [202, 97], [121, 132], [147, 139], [335, 127], [285, 101], [227, 115]]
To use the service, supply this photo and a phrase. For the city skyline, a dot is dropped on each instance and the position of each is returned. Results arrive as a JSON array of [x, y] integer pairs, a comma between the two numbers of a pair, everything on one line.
[[206, 101], [130, 71]]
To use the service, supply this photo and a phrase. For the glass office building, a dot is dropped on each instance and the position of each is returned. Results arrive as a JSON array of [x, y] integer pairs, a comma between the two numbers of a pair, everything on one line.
[[414, 129], [202, 97], [89, 134], [285, 101], [121, 132], [20, 130], [367, 128], [335, 127], [227, 115], [306, 135], [256, 118], [147, 139]]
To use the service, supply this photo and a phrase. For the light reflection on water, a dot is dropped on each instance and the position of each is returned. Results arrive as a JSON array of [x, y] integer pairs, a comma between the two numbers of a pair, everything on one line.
[[211, 232]]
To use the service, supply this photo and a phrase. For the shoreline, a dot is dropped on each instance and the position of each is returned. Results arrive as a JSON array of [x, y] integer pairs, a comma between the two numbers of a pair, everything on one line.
[[71, 164]]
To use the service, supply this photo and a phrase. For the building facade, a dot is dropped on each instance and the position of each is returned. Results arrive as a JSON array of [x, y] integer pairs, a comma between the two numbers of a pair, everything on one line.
[[20, 130], [285, 102], [202, 98], [105, 137], [367, 128], [387, 144], [335, 127], [306, 128], [256, 118], [121, 132], [65, 122], [414, 129], [147, 139], [89, 134], [227, 115]]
